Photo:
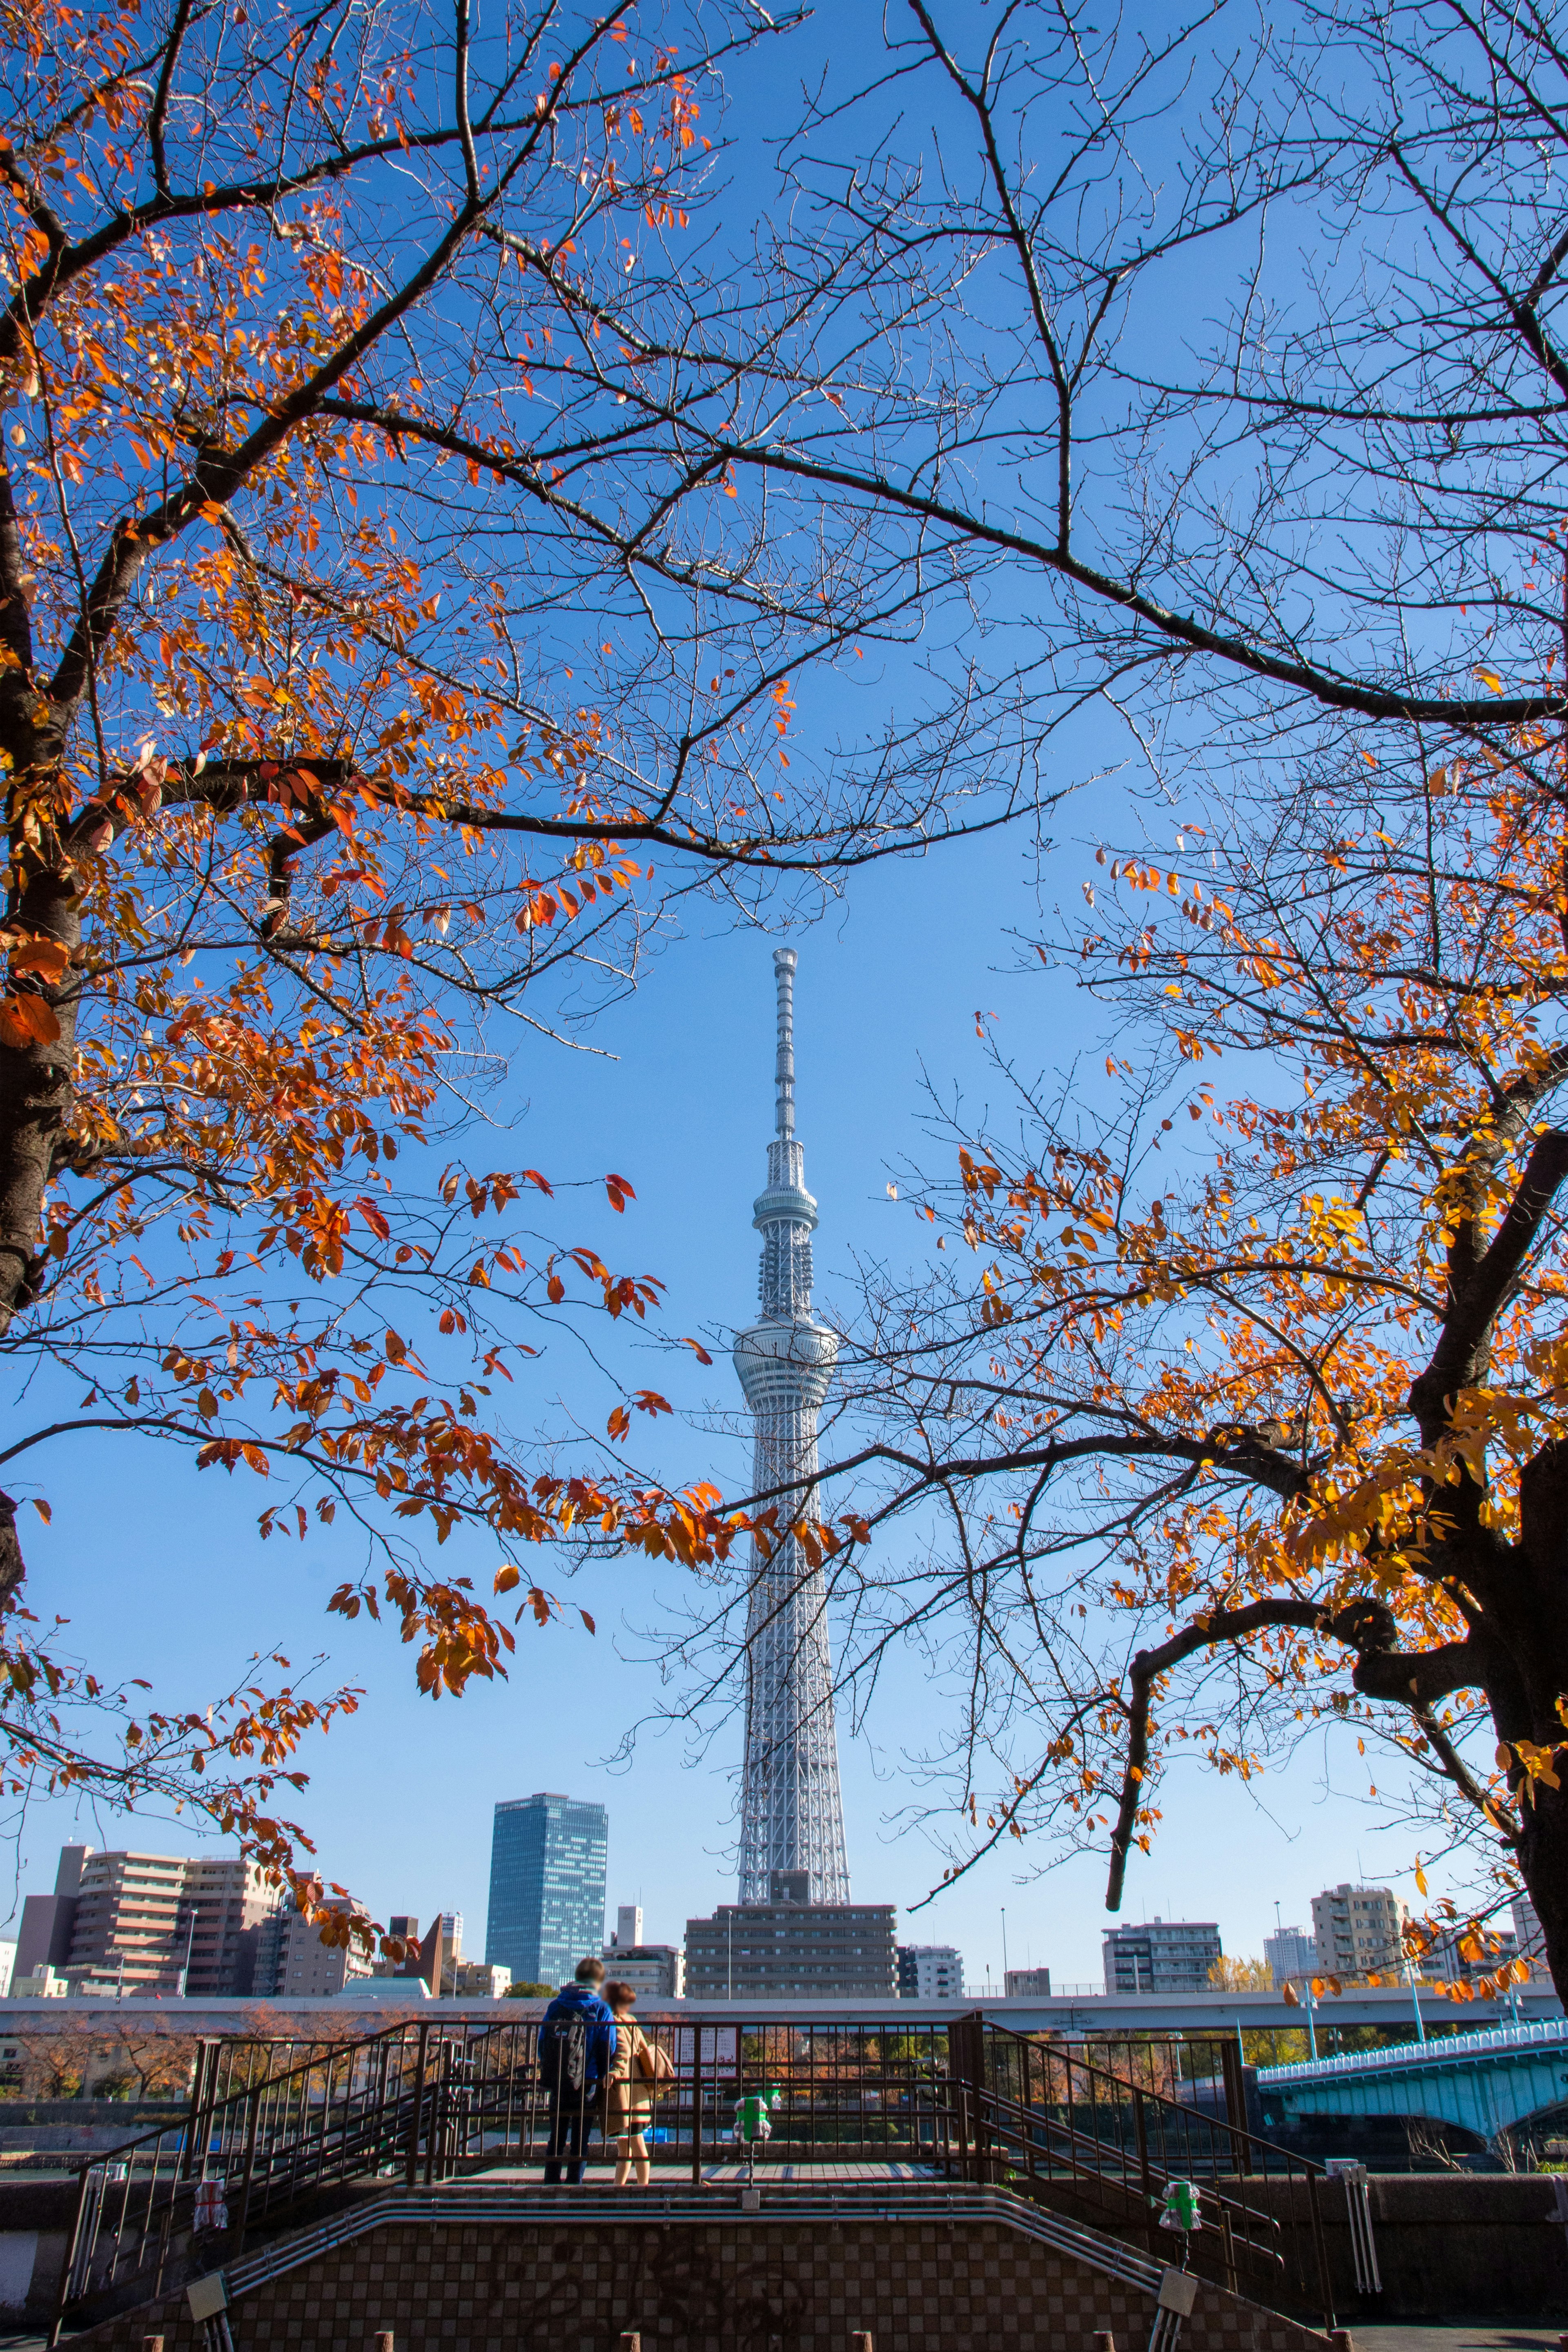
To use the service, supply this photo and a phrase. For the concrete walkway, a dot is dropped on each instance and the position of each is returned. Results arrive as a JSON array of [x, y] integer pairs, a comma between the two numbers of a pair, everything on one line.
[[1458, 2335]]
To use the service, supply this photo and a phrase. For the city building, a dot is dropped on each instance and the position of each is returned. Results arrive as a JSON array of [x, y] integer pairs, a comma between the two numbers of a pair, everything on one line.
[[293, 1964], [1530, 1935], [1357, 1929], [548, 1874], [653, 1972], [42, 1983], [930, 1972], [44, 1937], [1161, 1956], [1028, 1984], [142, 1923], [1290, 1954], [474, 1980], [793, 1949], [126, 1932], [224, 1904], [8, 1964]]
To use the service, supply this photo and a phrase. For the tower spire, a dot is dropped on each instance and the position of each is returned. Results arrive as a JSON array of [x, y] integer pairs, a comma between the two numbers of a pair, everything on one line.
[[791, 1815], [783, 1068]]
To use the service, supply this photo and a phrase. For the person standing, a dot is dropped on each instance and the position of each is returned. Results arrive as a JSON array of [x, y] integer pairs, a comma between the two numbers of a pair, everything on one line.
[[636, 2065], [576, 2046]]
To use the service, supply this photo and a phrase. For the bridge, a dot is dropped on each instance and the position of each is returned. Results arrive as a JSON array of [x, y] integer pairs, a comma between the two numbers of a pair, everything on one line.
[[1485, 2082]]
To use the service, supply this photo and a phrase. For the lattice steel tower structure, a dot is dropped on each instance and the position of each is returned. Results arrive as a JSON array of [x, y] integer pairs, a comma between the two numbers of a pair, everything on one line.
[[792, 1816]]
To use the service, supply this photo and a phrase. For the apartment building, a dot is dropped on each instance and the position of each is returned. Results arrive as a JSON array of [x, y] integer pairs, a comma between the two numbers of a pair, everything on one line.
[[804, 1950], [293, 1964], [1028, 1984], [1161, 1956], [653, 1972], [129, 1924], [1357, 1929], [1292, 1955], [930, 1972]]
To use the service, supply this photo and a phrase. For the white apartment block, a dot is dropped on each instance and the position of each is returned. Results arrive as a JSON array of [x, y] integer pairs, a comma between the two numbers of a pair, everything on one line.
[[931, 1972], [1291, 1954]]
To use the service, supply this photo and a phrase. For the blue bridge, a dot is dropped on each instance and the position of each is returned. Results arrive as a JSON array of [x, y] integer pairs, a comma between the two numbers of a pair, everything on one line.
[[1486, 2083]]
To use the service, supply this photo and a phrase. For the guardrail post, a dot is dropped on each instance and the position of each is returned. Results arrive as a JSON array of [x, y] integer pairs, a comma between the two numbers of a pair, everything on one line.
[[1320, 2246], [696, 2106], [1146, 2178], [206, 2053], [73, 2250], [1235, 2076], [410, 2161], [251, 2122]]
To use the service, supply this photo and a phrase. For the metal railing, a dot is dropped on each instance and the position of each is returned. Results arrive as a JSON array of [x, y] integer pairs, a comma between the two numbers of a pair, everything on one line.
[[273, 2126], [1107, 2139]]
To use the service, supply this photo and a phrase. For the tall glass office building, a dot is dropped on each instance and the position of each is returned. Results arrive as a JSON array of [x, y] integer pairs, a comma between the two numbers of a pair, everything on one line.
[[548, 1876]]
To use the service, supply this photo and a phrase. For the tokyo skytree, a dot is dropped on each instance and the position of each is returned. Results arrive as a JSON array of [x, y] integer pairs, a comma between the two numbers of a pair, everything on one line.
[[792, 1816]]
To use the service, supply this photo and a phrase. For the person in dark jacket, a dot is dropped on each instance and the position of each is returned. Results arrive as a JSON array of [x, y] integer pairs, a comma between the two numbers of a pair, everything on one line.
[[576, 2043]]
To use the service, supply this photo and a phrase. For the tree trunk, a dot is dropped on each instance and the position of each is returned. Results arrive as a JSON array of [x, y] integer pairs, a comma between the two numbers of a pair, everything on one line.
[[1527, 1619]]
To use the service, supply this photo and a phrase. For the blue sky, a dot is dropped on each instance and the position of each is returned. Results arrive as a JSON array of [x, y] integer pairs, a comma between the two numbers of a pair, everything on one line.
[[161, 1569]]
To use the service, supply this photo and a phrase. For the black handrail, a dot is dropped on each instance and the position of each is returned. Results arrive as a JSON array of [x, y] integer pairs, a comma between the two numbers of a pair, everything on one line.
[[272, 2123]]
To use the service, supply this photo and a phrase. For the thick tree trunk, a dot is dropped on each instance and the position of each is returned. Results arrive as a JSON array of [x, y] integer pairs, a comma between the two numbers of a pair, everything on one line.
[[38, 1078], [1527, 1621]]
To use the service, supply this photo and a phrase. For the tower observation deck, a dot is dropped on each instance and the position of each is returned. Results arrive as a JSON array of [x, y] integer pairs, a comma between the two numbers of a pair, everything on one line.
[[792, 1816]]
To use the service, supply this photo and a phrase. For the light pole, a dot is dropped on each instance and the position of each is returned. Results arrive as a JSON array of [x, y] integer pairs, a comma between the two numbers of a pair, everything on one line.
[[190, 1938], [1415, 1999]]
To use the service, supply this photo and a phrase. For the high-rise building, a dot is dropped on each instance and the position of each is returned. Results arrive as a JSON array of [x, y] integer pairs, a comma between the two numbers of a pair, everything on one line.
[[146, 1923], [628, 1925], [224, 1906], [292, 1962], [1357, 1929], [1290, 1953], [792, 1816], [795, 1950], [44, 1937], [1028, 1984], [548, 1874], [930, 1972], [1161, 1956]]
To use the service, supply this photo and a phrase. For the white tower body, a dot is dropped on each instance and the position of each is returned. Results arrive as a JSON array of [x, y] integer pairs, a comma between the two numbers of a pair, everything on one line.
[[791, 1815]]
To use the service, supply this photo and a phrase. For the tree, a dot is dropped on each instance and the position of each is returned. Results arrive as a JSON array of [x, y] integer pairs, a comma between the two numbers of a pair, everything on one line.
[[1213, 386], [1231, 1974], [317, 492], [1253, 1417]]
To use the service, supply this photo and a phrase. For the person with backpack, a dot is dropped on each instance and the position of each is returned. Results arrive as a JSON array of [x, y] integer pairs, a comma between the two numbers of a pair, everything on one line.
[[576, 2045]]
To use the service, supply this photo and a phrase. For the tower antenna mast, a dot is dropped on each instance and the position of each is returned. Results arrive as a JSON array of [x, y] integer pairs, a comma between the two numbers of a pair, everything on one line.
[[792, 1815]]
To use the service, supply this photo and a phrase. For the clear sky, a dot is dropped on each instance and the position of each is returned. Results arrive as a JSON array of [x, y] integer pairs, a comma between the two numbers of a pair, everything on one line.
[[160, 1569]]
